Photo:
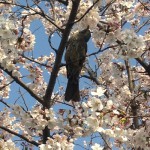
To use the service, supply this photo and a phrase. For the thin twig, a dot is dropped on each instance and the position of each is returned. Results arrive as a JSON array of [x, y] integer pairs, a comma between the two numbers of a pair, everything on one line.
[[42, 14], [144, 5], [42, 64], [106, 7], [87, 11], [144, 23], [139, 116], [105, 141], [99, 51], [1, 88], [50, 43], [23, 99], [4, 103]]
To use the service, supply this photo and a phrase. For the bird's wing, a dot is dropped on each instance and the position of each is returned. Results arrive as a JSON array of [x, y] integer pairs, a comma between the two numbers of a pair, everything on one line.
[[75, 57]]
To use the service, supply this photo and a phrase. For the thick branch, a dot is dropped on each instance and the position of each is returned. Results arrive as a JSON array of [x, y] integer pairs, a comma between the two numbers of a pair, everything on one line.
[[23, 85], [130, 77], [134, 105], [144, 65], [59, 55], [19, 135], [63, 2], [52, 81]]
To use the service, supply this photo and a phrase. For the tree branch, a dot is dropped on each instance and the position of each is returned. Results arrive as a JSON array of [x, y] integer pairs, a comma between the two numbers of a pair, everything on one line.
[[32, 60], [42, 14], [134, 105], [52, 80], [92, 75], [100, 51], [22, 84], [86, 12], [144, 5], [106, 144], [1, 100], [142, 25], [63, 2], [19, 135], [130, 77], [59, 55], [1, 88], [144, 65]]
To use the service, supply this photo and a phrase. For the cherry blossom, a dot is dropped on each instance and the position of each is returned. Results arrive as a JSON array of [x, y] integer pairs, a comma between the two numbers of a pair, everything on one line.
[[96, 147], [99, 91], [8, 145], [114, 82]]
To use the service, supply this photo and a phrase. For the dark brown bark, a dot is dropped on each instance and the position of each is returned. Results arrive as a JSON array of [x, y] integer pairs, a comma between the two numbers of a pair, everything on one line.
[[52, 80]]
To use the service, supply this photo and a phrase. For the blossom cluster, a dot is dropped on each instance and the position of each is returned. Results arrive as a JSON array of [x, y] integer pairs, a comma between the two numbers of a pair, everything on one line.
[[8, 38], [106, 109], [91, 18], [26, 41], [11, 45], [9, 144], [58, 143], [57, 13], [133, 46], [36, 77], [60, 16], [4, 85]]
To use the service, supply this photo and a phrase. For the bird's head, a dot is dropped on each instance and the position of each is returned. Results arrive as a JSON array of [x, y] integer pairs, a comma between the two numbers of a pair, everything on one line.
[[86, 34]]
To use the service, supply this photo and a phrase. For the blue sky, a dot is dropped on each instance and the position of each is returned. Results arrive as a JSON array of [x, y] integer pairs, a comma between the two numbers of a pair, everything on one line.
[[42, 48]]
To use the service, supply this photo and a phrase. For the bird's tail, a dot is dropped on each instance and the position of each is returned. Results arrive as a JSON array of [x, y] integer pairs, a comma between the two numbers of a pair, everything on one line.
[[72, 90]]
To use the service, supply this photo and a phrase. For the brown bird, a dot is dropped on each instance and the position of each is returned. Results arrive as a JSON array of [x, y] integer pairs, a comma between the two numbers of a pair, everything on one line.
[[75, 56]]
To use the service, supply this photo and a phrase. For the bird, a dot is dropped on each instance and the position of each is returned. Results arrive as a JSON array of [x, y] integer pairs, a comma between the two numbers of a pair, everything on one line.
[[75, 57]]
